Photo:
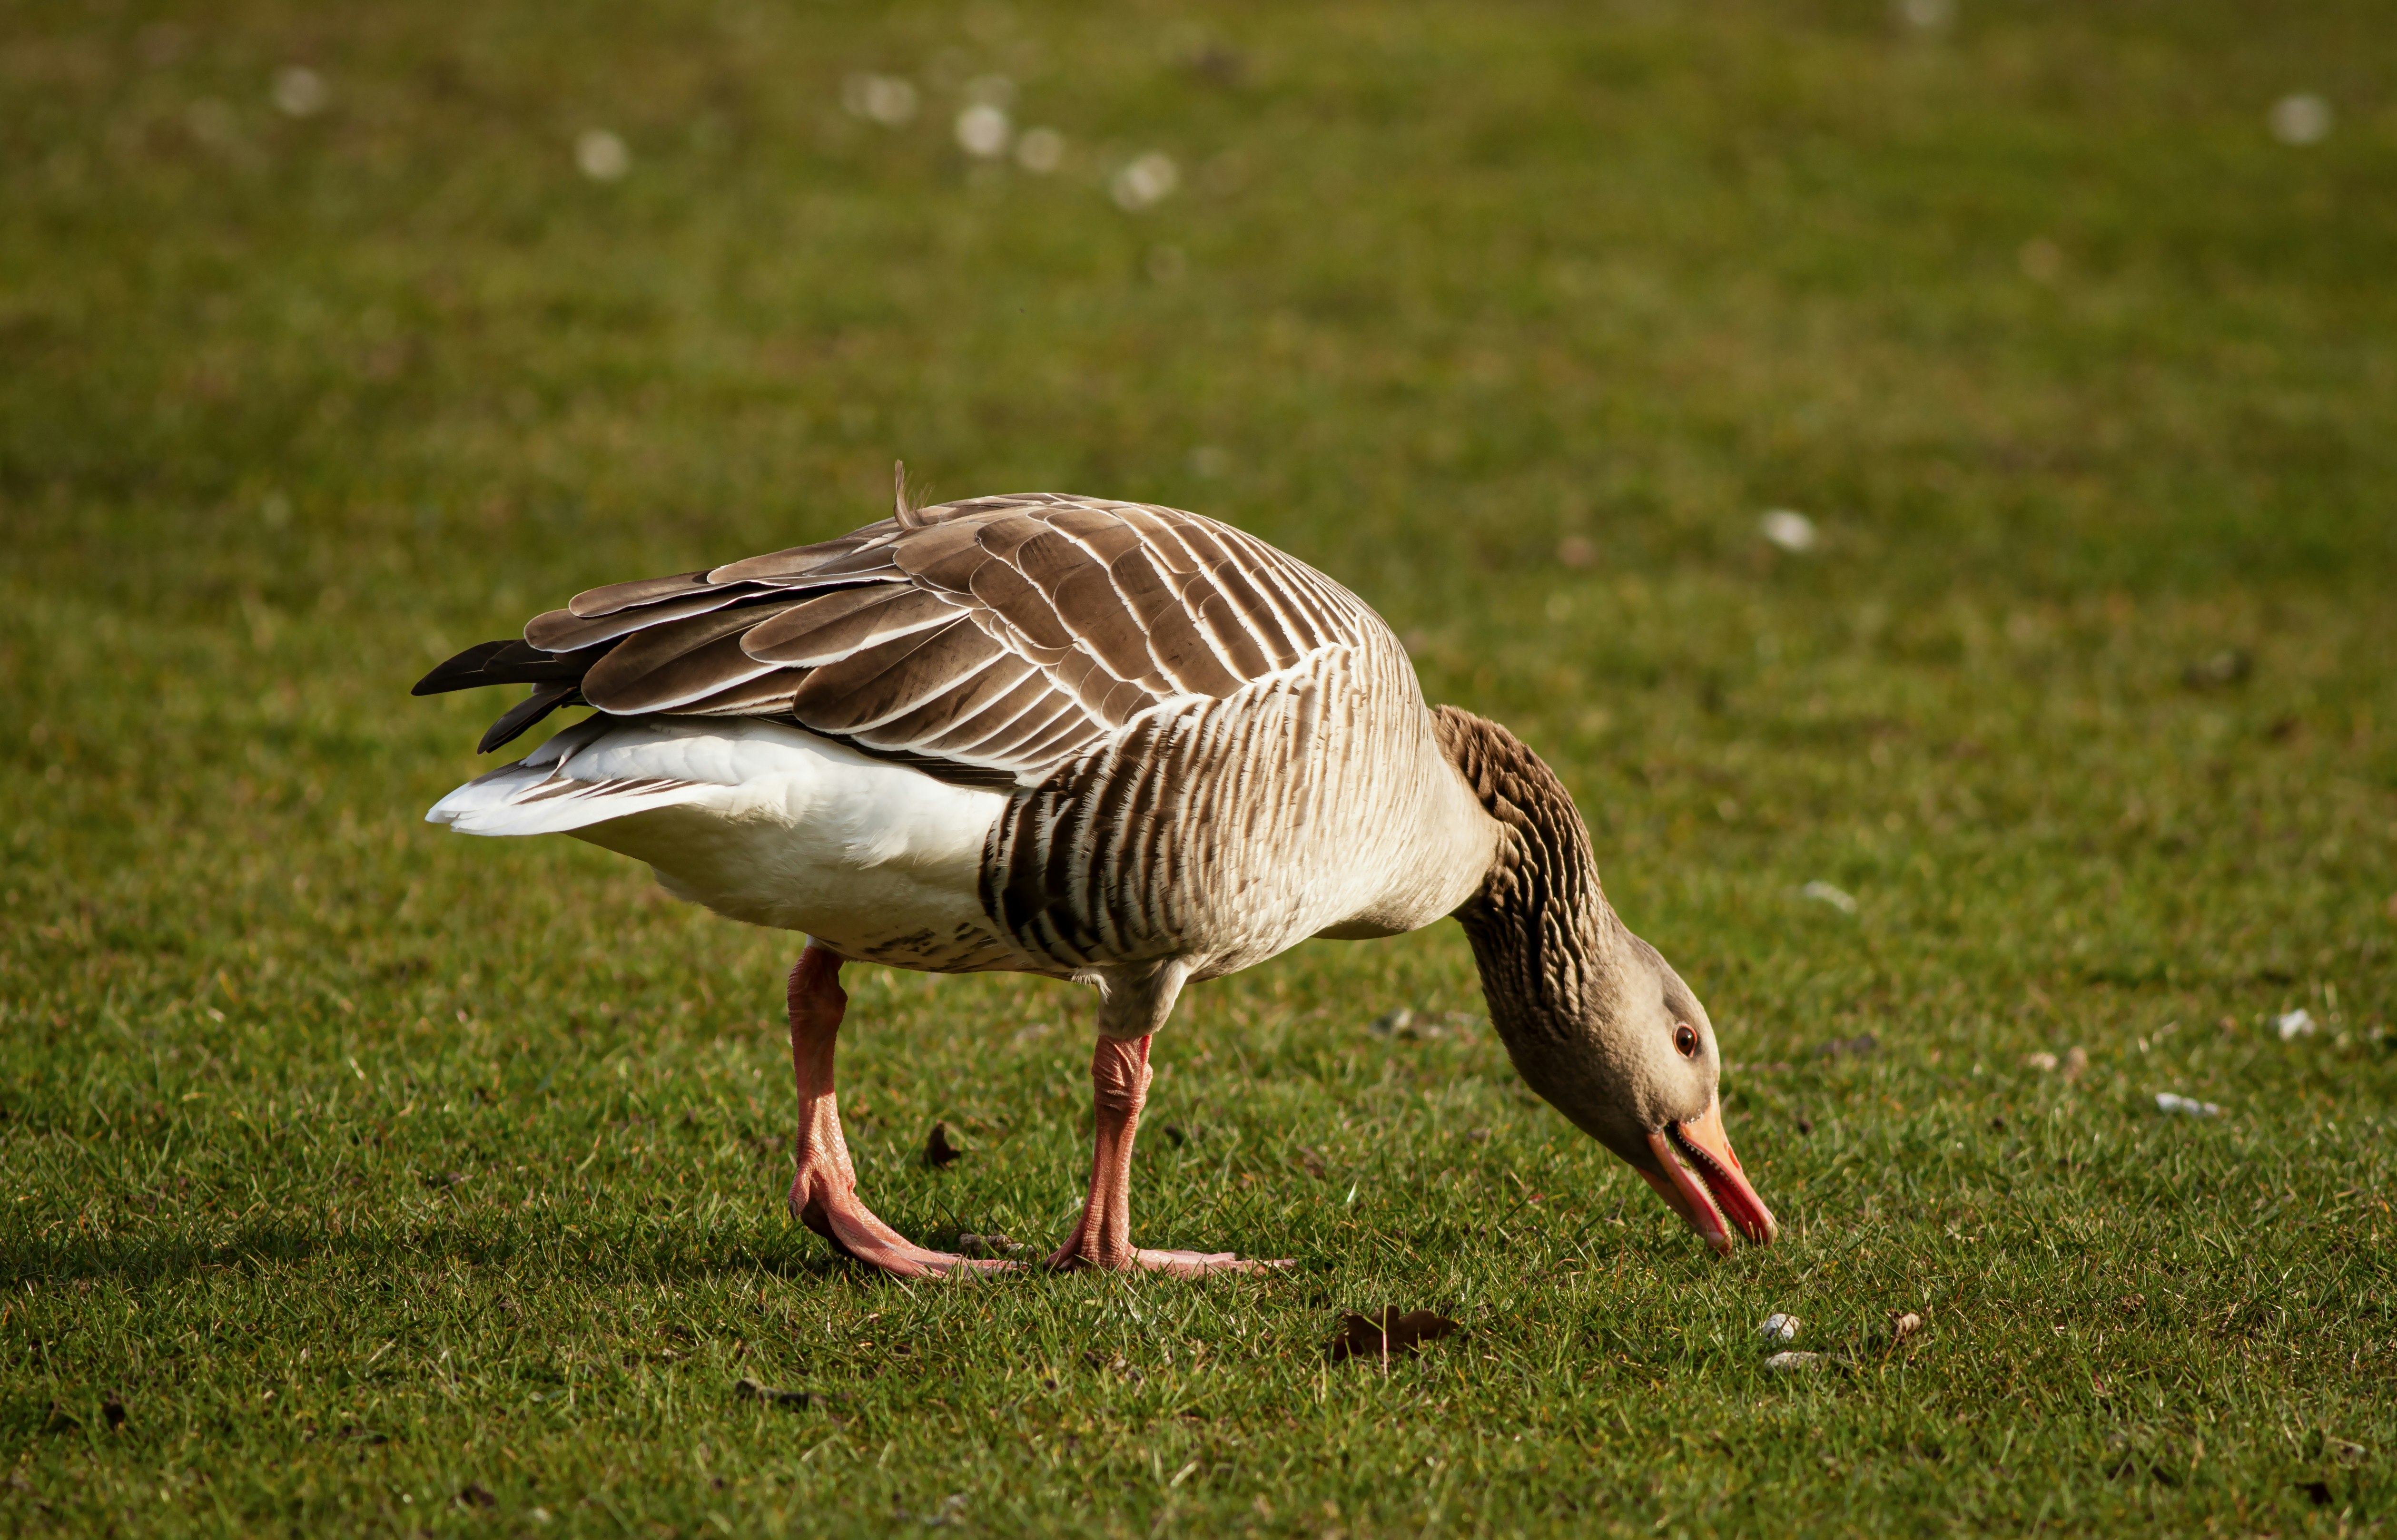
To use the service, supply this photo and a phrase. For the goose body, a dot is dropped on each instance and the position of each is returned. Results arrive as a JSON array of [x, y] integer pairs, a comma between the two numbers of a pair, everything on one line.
[[771, 824], [1111, 743]]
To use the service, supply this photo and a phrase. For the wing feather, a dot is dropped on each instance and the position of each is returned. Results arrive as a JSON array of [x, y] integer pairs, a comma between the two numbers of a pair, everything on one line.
[[824, 630], [1002, 714], [940, 710], [593, 602], [874, 684], [616, 683], [766, 695], [681, 682], [564, 631], [794, 565], [1010, 594]]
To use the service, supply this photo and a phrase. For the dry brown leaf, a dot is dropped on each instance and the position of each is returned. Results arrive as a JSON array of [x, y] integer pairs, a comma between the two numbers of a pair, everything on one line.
[[1386, 1332]]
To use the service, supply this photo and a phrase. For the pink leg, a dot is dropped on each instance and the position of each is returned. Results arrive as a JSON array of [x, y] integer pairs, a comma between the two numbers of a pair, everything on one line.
[[823, 1194], [1119, 1077]]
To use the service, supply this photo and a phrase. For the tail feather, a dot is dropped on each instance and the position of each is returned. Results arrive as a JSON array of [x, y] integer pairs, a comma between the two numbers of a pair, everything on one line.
[[544, 699], [537, 794], [556, 678], [506, 661]]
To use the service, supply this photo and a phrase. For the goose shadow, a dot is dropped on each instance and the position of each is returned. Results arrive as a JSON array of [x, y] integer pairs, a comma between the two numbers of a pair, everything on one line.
[[627, 1254]]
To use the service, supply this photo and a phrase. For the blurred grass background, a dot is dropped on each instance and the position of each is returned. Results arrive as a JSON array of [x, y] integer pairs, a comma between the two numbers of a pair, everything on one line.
[[364, 1178]]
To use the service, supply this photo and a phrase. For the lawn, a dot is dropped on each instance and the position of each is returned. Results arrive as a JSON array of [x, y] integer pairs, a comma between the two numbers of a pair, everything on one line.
[[362, 1178]]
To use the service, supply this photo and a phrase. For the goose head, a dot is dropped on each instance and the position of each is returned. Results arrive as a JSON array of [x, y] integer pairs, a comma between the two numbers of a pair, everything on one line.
[[1636, 1068], [1595, 1019]]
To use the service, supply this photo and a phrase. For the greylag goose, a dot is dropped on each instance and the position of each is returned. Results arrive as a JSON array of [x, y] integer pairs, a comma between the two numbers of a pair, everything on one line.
[[1101, 742]]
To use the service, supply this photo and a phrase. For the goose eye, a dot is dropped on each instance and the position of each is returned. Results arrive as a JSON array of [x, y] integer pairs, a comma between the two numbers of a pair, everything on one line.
[[1685, 1037]]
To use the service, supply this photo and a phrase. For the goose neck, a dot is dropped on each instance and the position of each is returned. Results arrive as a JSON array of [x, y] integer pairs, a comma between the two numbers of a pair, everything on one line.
[[1543, 934]]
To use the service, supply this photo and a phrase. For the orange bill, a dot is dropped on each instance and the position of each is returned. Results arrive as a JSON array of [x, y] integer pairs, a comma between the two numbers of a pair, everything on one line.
[[1704, 1183]]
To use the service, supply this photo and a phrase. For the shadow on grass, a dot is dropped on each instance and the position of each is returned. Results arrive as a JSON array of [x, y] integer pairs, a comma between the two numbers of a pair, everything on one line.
[[598, 1257]]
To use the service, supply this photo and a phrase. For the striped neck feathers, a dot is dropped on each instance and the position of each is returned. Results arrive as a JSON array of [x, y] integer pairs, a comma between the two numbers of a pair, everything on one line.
[[1597, 1022], [1547, 941]]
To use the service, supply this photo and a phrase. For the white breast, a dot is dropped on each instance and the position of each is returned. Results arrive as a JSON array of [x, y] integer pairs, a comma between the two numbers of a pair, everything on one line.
[[766, 823]]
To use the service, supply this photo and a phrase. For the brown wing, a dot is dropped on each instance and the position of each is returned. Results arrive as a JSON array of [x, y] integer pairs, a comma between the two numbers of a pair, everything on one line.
[[988, 641]]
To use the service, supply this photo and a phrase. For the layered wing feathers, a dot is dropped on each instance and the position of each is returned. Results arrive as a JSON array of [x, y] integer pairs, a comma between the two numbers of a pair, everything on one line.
[[992, 641]]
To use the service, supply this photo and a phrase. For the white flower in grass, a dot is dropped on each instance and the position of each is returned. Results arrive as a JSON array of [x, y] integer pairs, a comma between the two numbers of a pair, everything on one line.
[[2300, 119], [1146, 181], [983, 131], [884, 99], [298, 92], [601, 155], [1788, 529]]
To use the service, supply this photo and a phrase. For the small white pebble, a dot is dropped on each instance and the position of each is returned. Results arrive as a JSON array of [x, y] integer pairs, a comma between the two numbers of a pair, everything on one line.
[[1789, 1362], [1779, 1327], [983, 131], [601, 155], [891, 101], [2185, 1106], [2044, 1063], [298, 91], [1146, 181], [1788, 529], [884, 99], [2303, 118], [2295, 1023]]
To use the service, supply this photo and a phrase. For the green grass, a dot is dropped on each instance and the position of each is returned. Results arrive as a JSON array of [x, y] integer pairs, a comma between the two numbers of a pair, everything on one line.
[[361, 1166]]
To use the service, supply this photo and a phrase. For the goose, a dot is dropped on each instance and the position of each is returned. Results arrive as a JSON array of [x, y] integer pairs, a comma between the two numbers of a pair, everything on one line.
[[1103, 742]]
